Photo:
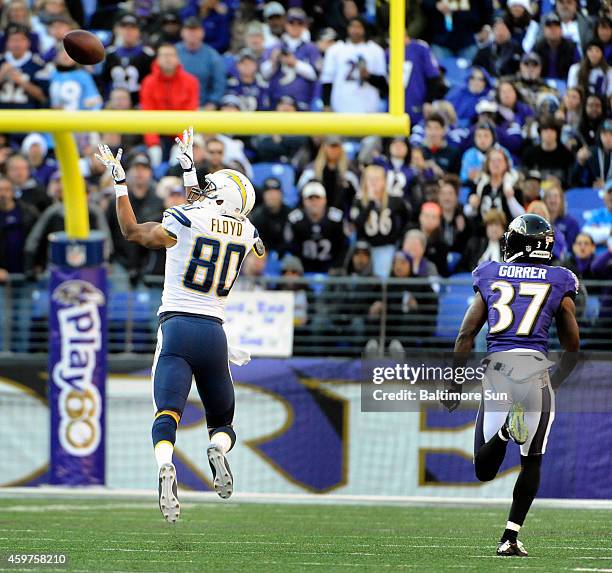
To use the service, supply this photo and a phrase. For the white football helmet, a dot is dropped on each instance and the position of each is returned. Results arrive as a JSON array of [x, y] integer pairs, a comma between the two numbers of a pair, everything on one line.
[[227, 191]]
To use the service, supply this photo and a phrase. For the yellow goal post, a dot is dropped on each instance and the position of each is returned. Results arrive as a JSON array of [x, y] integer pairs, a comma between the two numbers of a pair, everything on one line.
[[63, 123]]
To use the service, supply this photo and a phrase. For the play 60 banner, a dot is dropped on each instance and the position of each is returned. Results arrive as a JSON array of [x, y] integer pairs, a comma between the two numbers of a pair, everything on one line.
[[77, 367]]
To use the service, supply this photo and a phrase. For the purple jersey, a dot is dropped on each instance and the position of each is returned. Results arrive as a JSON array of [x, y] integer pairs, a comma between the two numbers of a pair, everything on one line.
[[254, 97], [521, 300]]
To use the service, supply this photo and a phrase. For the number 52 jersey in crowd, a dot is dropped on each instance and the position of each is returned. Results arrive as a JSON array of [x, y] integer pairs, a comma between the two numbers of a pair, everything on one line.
[[522, 300], [205, 261]]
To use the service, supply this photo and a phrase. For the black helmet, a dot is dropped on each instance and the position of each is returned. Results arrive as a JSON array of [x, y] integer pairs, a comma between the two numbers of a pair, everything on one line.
[[529, 239]]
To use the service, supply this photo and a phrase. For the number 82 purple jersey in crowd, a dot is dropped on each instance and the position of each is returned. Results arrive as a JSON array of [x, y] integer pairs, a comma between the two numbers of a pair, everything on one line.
[[522, 300]]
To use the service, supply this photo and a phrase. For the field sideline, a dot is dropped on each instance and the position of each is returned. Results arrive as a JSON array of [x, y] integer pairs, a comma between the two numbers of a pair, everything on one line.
[[127, 533]]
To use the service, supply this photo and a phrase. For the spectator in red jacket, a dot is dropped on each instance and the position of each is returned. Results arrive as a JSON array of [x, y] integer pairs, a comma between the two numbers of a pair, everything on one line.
[[167, 87]]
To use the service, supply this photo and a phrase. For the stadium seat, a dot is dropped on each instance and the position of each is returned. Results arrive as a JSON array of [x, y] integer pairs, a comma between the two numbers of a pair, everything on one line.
[[456, 70], [452, 260], [284, 173], [453, 303], [464, 193], [579, 201]]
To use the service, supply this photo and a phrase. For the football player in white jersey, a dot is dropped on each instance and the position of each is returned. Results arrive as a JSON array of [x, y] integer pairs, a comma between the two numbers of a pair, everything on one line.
[[206, 241]]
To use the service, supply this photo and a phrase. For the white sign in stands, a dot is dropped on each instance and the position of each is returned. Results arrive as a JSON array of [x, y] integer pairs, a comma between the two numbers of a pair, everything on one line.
[[261, 322]]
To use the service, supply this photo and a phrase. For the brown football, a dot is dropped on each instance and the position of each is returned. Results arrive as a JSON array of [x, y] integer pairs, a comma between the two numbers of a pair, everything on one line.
[[84, 47]]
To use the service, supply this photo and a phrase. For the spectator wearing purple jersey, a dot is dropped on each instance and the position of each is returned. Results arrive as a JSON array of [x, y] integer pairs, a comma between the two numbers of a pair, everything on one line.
[[202, 61], [16, 220], [291, 65], [35, 148], [502, 55], [421, 78], [512, 108], [556, 52], [216, 20], [247, 83], [562, 221]]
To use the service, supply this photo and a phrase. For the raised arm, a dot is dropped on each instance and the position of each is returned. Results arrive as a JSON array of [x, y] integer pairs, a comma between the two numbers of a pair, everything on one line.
[[151, 235]]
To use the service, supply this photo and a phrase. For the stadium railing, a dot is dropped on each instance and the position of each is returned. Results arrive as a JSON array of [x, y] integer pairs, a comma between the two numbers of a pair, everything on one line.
[[334, 316]]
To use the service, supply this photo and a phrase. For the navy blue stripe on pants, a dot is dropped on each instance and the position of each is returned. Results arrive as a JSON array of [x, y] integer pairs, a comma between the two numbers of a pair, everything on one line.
[[194, 346]]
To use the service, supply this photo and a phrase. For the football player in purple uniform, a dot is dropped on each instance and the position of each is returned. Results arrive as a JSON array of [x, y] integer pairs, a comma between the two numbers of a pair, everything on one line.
[[519, 299]]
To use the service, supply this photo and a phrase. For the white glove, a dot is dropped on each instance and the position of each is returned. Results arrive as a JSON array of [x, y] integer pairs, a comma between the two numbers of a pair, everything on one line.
[[185, 157], [113, 164]]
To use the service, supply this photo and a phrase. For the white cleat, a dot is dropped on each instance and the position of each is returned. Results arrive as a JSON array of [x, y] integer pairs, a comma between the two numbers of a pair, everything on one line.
[[168, 493], [223, 481]]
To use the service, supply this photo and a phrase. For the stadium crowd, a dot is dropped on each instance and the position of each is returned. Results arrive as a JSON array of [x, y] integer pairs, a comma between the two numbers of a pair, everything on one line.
[[509, 103]]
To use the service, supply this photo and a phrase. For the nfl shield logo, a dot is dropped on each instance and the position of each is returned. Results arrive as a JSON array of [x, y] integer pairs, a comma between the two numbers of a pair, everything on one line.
[[75, 255]]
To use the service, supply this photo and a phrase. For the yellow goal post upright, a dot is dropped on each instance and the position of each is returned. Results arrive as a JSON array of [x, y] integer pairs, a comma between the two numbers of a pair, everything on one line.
[[62, 124]]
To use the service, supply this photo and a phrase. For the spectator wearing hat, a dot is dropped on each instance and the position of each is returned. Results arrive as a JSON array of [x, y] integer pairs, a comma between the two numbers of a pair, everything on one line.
[[354, 307], [270, 218], [25, 186], [167, 87], [549, 156], [502, 56], [593, 74], [453, 26], [529, 82], [481, 249], [52, 220], [248, 84], [23, 80], [71, 88], [378, 218], [531, 186], [464, 98], [291, 65], [593, 166], [16, 220], [293, 149], [331, 167], [128, 61], [58, 27], [203, 62], [574, 24], [315, 232], [168, 29], [354, 73], [35, 148], [412, 305], [436, 148], [274, 27], [557, 53], [147, 207], [523, 27]]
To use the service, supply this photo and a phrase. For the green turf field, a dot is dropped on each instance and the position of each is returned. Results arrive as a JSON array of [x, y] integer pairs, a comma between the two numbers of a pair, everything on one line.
[[118, 535]]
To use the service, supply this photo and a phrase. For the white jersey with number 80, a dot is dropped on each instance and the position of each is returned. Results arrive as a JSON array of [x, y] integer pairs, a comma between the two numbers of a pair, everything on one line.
[[203, 265]]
